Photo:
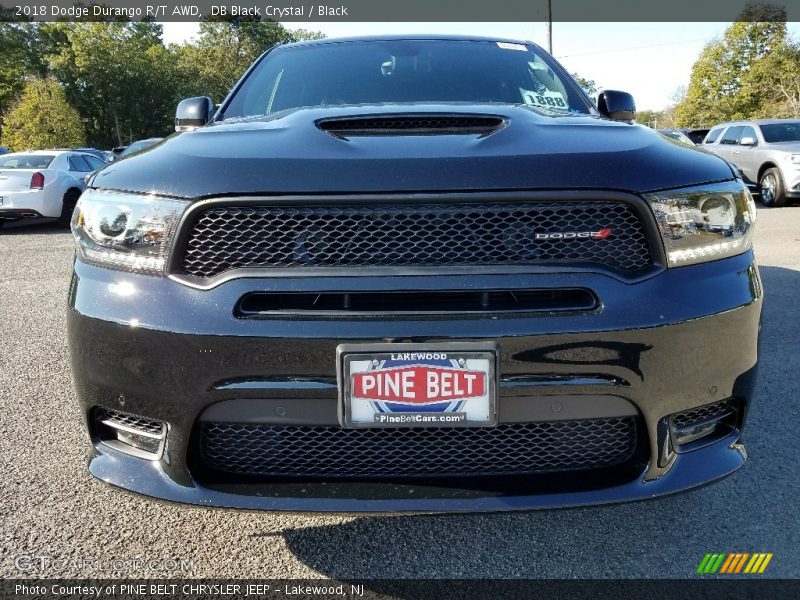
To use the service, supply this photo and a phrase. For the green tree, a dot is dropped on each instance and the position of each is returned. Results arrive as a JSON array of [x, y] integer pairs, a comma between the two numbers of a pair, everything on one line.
[[12, 67], [588, 85], [300, 35], [651, 118], [777, 79], [119, 75], [224, 50], [732, 78], [42, 118], [20, 60]]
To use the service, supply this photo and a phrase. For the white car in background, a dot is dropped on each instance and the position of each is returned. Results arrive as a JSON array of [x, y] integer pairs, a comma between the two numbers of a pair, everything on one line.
[[43, 183]]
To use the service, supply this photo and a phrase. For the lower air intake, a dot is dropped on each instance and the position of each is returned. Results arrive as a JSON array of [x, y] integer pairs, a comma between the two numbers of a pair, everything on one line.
[[702, 425], [331, 451], [702, 414], [122, 420], [131, 434]]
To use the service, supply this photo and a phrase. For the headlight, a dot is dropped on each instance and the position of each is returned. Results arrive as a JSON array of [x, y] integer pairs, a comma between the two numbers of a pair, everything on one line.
[[704, 223], [126, 231]]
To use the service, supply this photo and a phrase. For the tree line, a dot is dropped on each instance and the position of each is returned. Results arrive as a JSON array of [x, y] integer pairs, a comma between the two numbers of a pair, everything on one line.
[[105, 84], [751, 72], [110, 83]]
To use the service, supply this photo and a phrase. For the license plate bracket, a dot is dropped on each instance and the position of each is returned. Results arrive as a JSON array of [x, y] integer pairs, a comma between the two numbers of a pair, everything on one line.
[[451, 384]]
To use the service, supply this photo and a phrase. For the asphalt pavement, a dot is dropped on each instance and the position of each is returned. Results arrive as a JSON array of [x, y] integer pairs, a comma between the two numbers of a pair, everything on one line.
[[51, 506]]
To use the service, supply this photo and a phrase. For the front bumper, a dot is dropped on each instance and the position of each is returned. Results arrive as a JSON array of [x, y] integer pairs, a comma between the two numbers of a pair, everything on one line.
[[155, 347], [791, 180]]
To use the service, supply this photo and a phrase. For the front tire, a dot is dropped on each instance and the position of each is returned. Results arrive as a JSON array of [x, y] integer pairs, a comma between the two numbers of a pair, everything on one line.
[[68, 207], [772, 189]]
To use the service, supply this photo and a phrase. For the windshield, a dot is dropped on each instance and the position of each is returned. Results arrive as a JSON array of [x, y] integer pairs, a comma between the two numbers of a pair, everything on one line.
[[136, 146], [26, 161], [405, 71], [676, 135], [781, 132]]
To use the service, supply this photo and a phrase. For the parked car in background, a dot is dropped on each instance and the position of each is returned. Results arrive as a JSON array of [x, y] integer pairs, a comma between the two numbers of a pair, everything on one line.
[[677, 135], [3, 150], [138, 146], [767, 151], [43, 183], [101, 154], [696, 135]]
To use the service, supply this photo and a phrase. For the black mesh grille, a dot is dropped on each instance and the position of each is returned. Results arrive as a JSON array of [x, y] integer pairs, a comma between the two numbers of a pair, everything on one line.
[[115, 417], [404, 235], [692, 416], [327, 451]]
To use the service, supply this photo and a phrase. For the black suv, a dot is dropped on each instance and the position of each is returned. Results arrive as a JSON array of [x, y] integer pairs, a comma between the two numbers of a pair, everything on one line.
[[413, 274]]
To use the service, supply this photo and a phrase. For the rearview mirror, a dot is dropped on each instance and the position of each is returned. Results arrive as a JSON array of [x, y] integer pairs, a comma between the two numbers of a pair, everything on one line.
[[748, 141], [617, 106], [193, 113]]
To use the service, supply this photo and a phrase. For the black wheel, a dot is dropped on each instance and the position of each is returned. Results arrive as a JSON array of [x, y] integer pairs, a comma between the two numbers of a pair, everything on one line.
[[772, 190], [67, 207]]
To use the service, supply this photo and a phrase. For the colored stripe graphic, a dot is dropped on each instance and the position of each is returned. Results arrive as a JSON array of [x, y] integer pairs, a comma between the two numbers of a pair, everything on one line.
[[728, 562], [719, 562], [754, 562], [740, 563], [713, 567], [702, 566], [734, 563], [765, 563]]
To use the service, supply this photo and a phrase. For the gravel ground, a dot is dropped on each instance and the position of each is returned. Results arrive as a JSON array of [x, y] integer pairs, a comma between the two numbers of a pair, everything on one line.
[[50, 505]]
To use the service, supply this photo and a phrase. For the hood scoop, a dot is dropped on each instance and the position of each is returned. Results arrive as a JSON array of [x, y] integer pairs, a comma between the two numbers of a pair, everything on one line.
[[412, 124]]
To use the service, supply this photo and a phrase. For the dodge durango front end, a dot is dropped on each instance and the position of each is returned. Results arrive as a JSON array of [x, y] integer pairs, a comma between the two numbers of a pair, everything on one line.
[[417, 274]]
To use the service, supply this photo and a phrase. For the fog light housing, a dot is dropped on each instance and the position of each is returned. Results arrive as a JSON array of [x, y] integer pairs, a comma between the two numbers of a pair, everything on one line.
[[132, 434], [697, 427]]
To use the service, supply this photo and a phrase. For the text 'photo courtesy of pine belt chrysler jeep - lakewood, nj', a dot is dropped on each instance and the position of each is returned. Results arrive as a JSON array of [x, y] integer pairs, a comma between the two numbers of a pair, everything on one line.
[[413, 274]]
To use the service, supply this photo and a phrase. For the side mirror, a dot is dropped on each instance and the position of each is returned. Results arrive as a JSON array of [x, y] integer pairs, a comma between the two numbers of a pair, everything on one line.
[[617, 106], [748, 141], [193, 113]]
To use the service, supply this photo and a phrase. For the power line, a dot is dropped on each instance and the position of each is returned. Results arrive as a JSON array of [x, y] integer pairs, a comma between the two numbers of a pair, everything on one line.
[[632, 48]]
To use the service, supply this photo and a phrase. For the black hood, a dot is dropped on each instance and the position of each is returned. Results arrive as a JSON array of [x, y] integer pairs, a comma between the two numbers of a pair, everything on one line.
[[289, 153]]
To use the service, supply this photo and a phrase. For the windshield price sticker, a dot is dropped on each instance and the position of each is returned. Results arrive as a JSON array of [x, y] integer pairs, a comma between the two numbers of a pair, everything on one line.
[[548, 99]]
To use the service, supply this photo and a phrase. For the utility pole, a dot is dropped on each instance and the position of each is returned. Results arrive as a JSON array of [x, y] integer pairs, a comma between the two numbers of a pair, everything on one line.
[[550, 26]]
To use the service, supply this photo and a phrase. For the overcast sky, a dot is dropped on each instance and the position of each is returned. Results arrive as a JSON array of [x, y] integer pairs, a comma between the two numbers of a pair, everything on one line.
[[649, 60]]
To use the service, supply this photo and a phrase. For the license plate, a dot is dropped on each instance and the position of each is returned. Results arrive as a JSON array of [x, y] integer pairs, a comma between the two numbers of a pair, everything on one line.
[[417, 385]]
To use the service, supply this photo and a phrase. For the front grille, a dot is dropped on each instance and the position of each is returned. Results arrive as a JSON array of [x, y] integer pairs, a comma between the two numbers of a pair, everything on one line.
[[331, 451], [229, 237], [698, 415]]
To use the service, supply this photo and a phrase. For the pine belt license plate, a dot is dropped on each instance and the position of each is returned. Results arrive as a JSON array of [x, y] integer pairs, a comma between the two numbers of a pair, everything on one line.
[[411, 385]]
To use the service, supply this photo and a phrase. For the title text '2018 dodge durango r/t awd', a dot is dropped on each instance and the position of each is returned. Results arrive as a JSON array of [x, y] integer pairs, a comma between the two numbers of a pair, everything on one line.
[[413, 274]]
